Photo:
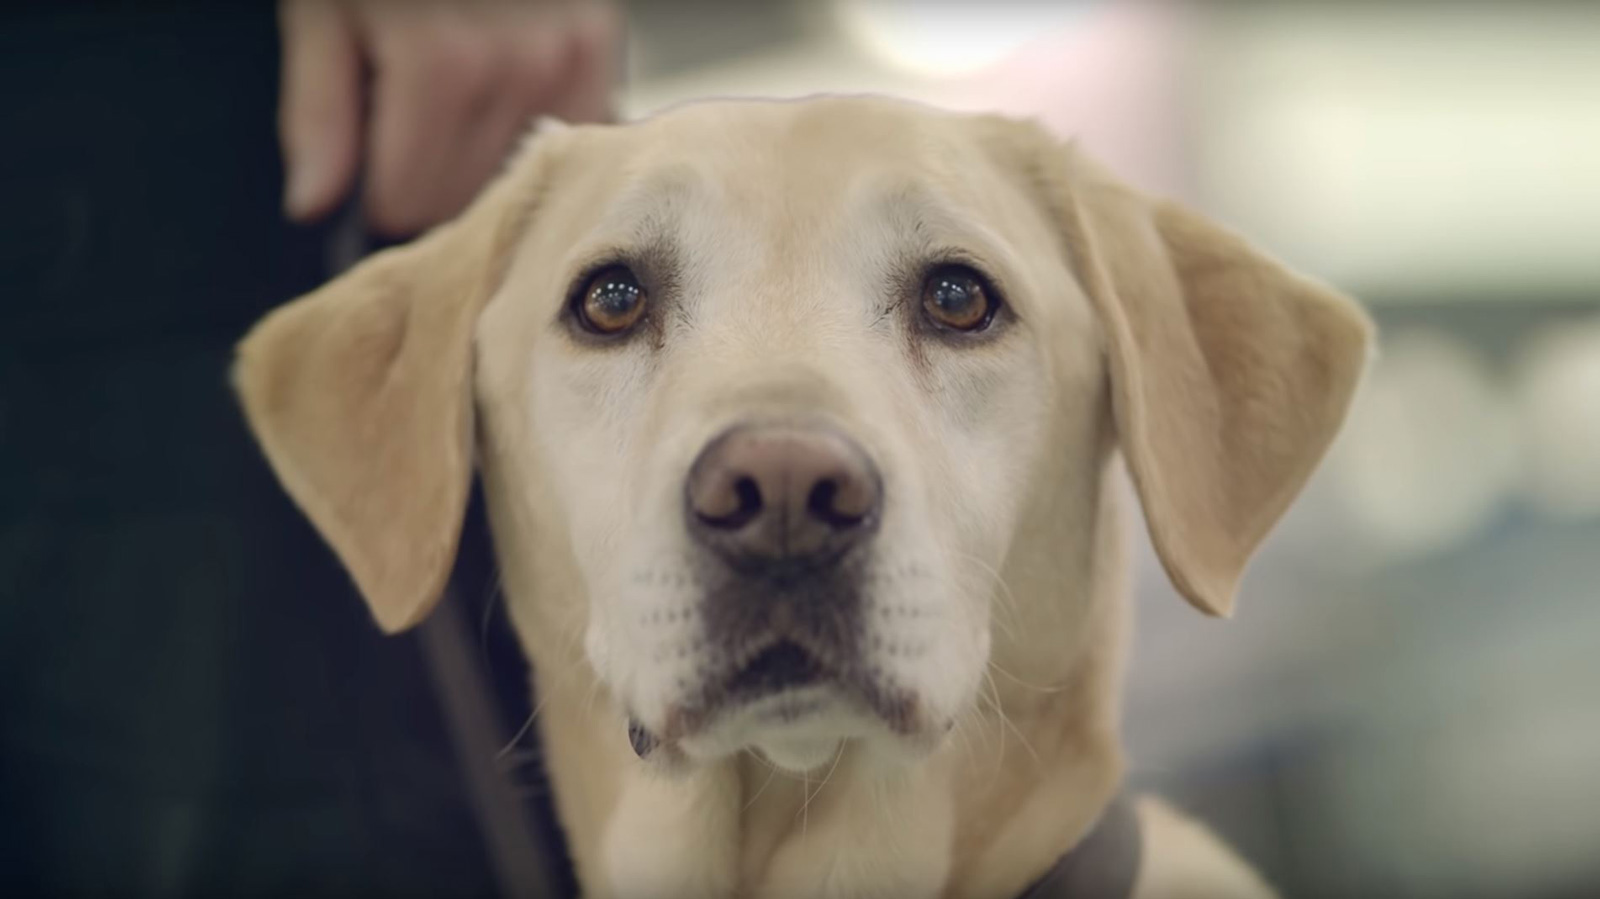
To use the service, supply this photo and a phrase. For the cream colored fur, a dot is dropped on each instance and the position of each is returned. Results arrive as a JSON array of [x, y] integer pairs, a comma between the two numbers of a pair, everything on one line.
[[1139, 334]]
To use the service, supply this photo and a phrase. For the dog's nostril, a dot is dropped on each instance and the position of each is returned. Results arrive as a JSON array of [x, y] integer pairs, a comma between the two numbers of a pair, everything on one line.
[[745, 507], [828, 505], [749, 494]]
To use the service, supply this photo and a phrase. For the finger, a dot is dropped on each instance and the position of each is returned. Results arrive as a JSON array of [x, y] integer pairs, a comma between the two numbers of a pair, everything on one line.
[[557, 61], [319, 107], [542, 54], [533, 41], [435, 77], [480, 154], [593, 67]]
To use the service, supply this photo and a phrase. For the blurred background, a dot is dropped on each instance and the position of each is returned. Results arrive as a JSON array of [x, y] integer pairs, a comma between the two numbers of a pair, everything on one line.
[[1407, 702]]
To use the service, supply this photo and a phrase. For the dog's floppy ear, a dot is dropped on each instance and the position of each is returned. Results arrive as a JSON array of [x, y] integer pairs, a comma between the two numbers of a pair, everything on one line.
[[1230, 375], [360, 395]]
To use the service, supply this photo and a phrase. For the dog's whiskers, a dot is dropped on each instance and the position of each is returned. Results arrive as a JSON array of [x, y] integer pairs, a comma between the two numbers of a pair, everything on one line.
[[521, 732], [1005, 720], [1022, 683], [837, 755], [1006, 600], [495, 592], [772, 771], [805, 790], [999, 758]]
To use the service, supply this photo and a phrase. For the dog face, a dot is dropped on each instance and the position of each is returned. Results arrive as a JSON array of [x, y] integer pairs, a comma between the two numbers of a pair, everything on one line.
[[790, 394], [786, 392]]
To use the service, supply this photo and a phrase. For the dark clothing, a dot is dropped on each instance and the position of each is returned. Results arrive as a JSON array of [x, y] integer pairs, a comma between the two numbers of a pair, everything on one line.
[[193, 699]]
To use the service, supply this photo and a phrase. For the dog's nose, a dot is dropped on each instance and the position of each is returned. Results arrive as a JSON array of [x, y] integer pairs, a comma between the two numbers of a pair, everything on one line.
[[763, 494]]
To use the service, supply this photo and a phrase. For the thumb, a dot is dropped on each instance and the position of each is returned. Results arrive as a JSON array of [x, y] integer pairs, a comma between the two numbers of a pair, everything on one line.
[[319, 107]]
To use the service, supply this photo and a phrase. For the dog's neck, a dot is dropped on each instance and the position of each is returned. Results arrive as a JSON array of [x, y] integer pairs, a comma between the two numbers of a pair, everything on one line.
[[1016, 786]]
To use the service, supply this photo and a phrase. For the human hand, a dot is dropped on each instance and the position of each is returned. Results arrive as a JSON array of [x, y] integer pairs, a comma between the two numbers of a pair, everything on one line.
[[423, 99]]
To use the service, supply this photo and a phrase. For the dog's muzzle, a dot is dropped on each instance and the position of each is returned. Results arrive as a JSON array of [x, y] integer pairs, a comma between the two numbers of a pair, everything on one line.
[[784, 515]]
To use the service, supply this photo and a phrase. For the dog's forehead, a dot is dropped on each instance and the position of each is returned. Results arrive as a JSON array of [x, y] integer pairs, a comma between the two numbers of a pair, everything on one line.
[[843, 177], [802, 156]]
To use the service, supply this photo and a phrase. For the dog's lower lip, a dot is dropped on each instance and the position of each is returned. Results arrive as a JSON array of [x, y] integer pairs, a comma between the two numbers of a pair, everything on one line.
[[643, 741]]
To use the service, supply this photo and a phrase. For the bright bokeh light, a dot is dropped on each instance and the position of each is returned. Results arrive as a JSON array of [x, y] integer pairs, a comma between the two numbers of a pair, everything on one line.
[[935, 40]]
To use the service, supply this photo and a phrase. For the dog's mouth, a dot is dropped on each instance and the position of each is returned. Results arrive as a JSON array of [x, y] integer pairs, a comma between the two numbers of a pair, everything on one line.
[[782, 684], [771, 682], [785, 665]]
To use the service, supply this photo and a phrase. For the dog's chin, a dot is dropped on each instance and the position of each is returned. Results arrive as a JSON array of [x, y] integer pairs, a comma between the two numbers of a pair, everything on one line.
[[797, 730], [799, 755]]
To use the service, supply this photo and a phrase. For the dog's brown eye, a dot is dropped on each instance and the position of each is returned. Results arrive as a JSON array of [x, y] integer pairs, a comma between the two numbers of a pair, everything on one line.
[[955, 297], [612, 302]]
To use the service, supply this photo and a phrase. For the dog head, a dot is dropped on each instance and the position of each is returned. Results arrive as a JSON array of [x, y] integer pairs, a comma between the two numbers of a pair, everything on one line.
[[778, 402]]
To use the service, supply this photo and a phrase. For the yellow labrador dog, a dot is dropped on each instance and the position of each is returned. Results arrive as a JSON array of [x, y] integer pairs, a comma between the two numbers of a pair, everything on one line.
[[799, 424]]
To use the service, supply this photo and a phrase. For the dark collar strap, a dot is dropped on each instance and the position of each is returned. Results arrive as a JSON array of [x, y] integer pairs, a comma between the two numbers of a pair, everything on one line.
[[1103, 865]]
